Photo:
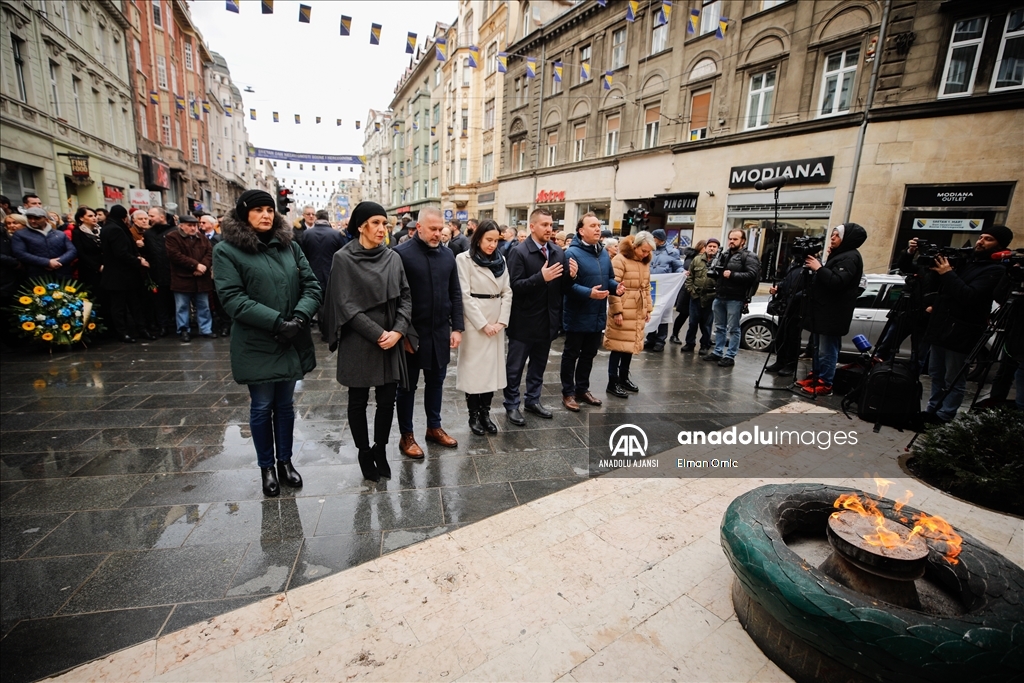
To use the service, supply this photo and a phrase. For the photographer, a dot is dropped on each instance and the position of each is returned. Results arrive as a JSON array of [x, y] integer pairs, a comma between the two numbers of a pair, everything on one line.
[[829, 303], [740, 270], [785, 304], [919, 289], [958, 318]]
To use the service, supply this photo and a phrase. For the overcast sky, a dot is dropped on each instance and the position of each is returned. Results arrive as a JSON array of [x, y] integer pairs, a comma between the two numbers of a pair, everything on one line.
[[311, 70]]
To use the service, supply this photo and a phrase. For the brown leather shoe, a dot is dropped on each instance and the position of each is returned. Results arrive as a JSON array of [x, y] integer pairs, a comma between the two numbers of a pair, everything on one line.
[[588, 398], [570, 403], [438, 436], [407, 444]]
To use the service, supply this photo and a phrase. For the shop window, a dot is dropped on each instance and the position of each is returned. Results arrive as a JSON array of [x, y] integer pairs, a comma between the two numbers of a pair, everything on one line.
[[619, 48], [700, 109], [552, 148], [837, 82], [710, 13], [652, 126], [962, 57], [579, 149], [1009, 71], [611, 135], [759, 103], [17, 180]]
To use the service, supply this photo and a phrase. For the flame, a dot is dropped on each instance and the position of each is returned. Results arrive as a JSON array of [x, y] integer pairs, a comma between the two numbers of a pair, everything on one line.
[[938, 529]]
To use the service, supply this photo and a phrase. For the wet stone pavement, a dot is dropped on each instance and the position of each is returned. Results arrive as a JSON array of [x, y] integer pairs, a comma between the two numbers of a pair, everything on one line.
[[130, 500]]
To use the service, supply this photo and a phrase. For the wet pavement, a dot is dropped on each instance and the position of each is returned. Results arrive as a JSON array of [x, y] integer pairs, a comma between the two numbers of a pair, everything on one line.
[[130, 500]]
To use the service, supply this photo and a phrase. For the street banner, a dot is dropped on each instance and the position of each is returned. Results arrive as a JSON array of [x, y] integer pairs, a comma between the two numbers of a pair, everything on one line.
[[664, 290]]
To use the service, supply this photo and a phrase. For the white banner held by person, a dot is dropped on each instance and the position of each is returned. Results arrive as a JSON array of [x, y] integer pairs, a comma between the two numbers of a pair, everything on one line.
[[664, 290]]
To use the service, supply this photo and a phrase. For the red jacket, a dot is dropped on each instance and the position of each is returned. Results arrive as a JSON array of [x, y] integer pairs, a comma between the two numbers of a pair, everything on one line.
[[185, 253]]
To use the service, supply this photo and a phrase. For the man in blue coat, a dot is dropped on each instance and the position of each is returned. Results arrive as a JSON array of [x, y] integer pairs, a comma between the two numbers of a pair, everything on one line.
[[585, 311], [666, 259], [437, 318], [41, 249]]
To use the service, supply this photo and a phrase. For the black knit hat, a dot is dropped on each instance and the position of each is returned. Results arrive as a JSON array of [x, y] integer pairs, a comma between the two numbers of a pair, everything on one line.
[[252, 199], [1001, 233], [363, 212]]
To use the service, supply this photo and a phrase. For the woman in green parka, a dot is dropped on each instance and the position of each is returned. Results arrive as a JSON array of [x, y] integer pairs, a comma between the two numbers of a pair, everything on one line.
[[267, 288]]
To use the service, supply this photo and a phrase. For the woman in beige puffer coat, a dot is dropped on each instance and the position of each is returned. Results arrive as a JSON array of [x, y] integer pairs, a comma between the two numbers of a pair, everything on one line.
[[628, 314]]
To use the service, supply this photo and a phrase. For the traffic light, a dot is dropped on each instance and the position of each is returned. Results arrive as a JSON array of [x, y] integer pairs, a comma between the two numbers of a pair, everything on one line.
[[284, 199]]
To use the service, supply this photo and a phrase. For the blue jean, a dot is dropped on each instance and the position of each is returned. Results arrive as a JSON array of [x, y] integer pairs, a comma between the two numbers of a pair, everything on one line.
[[433, 392], [272, 421], [825, 356], [181, 308], [727, 324], [943, 367]]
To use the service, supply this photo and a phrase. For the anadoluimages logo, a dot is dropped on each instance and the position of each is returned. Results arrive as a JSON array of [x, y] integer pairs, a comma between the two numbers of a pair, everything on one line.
[[625, 442]]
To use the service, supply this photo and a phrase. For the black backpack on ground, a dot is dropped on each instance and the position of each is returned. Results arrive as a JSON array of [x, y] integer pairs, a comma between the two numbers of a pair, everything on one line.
[[891, 394]]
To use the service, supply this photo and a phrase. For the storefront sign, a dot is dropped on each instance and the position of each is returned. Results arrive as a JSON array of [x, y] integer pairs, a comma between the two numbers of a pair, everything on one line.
[[954, 224], [79, 166], [462, 215], [139, 199], [403, 209], [112, 194], [675, 203], [799, 172], [449, 214], [549, 196], [156, 198], [959, 195], [485, 198], [681, 219], [157, 173]]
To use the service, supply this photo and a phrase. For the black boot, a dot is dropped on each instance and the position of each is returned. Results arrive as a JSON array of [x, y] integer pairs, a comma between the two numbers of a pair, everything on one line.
[[774, 367], [270, 485], [287, 474], [472, 403], [380, 459], [484, 412], [627, 384], [367, 464], [615, 389]]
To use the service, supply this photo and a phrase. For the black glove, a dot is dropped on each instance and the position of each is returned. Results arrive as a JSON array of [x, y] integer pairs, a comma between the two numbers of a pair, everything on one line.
[[288, 330]]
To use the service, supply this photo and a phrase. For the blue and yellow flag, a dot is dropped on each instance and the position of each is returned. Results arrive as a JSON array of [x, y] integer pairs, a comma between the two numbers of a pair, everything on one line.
[[558, 72], [433, 131], [206, 107], [375, 34], [268, 6], [228, 111], [277, 119], [410, 43], [194, 106], [502, 62], [531, 67], [666, 8], [723, 26], [376, 126], [415, 126], [318, 119], [474, 56], [441, 49], [602, 3], [232, 6], [179, 102], [451, 131], [154, 97], [632, 7], [606, 80], [252, 114], [298, 119], [585, 71], [304, 12], [346, 25], [660, 19], [691, 26], [395, 127], [339, 122], [357, 125]]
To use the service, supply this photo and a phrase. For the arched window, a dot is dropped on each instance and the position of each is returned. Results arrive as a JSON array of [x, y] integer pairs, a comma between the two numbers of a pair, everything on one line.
[[704, 67]]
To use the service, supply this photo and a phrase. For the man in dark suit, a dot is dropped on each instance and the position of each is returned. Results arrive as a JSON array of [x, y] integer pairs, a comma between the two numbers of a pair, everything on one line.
[[319, 243], [536, 268], [437, 318]]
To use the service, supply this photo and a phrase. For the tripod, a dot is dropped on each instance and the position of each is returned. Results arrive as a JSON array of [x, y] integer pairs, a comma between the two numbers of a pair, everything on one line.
[[791, 311]]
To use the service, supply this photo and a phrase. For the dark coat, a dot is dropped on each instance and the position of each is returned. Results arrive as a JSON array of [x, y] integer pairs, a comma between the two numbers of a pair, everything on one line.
[[10, 268], [215, 238], [536, 305], [185, 253], [963, 304], [745, 272], [155, 251], [833, 290], [319, 244], [259, 286], [122, 271], [90, 257], [581, 313], [35, 249], [459, 244], [436, 299]]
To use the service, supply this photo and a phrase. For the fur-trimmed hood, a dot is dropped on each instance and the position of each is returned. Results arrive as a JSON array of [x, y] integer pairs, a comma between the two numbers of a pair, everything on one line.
[[241, 235], [627, 250]]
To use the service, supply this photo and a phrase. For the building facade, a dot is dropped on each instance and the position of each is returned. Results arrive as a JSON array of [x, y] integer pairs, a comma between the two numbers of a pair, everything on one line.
[[66, 104], [761, 88], [230, 165], [376, 174]]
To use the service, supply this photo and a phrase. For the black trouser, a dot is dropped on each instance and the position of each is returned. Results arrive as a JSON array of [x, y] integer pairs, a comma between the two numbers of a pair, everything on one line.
[[127, 311], [700, 317], [480, 401], [578, 361], [518, 353], [1003, 380], [358, 399], [618, 365], [658, 337], [788, 349], [683, 307]]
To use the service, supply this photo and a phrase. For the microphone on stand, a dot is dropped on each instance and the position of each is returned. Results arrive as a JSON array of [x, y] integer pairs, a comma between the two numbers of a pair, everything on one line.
[[771, 183]]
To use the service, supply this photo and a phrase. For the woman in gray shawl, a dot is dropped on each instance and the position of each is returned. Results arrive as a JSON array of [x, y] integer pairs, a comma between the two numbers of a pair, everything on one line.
[[367, 314]]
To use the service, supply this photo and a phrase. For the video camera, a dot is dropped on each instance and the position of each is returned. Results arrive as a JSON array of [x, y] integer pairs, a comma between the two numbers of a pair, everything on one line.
[[926, 252], [717, 266], [1015, 266], [805, 246]]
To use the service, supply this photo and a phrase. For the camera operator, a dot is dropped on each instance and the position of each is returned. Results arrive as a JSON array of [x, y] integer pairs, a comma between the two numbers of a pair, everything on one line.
[[740, 270], [1011, 367], [785, 305], [958, 318], [920, 287], [829, 303]]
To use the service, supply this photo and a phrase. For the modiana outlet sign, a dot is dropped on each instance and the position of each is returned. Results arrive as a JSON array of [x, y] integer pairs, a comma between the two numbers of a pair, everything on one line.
[[799, 172]]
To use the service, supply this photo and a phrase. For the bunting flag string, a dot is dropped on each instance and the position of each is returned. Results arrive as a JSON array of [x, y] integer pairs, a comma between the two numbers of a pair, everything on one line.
[[558, 72], [277, 118], [602, 3], [179, 102], [232, 6], [691, 25], [632, 7], [194, 106], [723, 26], [304, 12], [585, 71], [606, 81], [297, 119], [410, 43], [339, 122], [267, 6], [154, 97], [318, 119], [666, 9], [206, 107], [252, 114], [357, 125], [346, 25], [660, 19], [531, 67], [441, 49], [433, 131], [375, 34], [502, 62], [474, 56], [228, 110]]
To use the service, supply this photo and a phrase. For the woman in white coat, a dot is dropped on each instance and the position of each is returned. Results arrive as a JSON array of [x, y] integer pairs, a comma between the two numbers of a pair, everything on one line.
[[486, 305]]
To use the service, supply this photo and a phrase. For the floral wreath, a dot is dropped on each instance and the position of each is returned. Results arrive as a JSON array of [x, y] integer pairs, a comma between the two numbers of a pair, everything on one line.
[[57, 312]]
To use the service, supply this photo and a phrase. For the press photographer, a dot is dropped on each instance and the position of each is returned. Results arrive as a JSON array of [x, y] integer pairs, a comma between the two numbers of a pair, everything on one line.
[[909, 317], [828, 305], [785, 305], [736, 271], [958, 317]]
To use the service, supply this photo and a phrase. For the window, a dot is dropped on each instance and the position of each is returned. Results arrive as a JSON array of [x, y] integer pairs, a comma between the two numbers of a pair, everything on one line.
[[518, 160], [466, 72], [837, 84], [437, 77], [174, 77], [1009, 71], [487, 168], [659, 37], [177, 134], [158, 20], [700, 108], [652, 124], [434, 187], [468, 21], [416, 121], [527, 26], [556, 78], [111, 119], [143, 123], [488, 114], [97, 113], [962, 58], [518, 92], [137, 49], [611, 135], [76, 83], [188, 55], [759, 105], [101, 42], [768, 4], [492, 58], [416, 156], [416, 190], [552, 148], [195, 150], [619, 48], [710, 13], [165, 127], [161, 72], [585, 61], [465, 121], [579, 143], [463, 170], [435, 152], [55, 88], [65, 15], [437, 114], [19, 66]]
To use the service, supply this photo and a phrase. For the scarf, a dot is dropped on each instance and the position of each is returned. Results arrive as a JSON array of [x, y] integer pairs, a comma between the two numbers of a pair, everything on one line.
[[361, 279], [494, 263]]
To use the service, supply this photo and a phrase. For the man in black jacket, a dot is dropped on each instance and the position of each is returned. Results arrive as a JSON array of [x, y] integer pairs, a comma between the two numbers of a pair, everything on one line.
[[437, 318], [535, 269], [154, 240], [319, 243], [740, 272], [958, 318]]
